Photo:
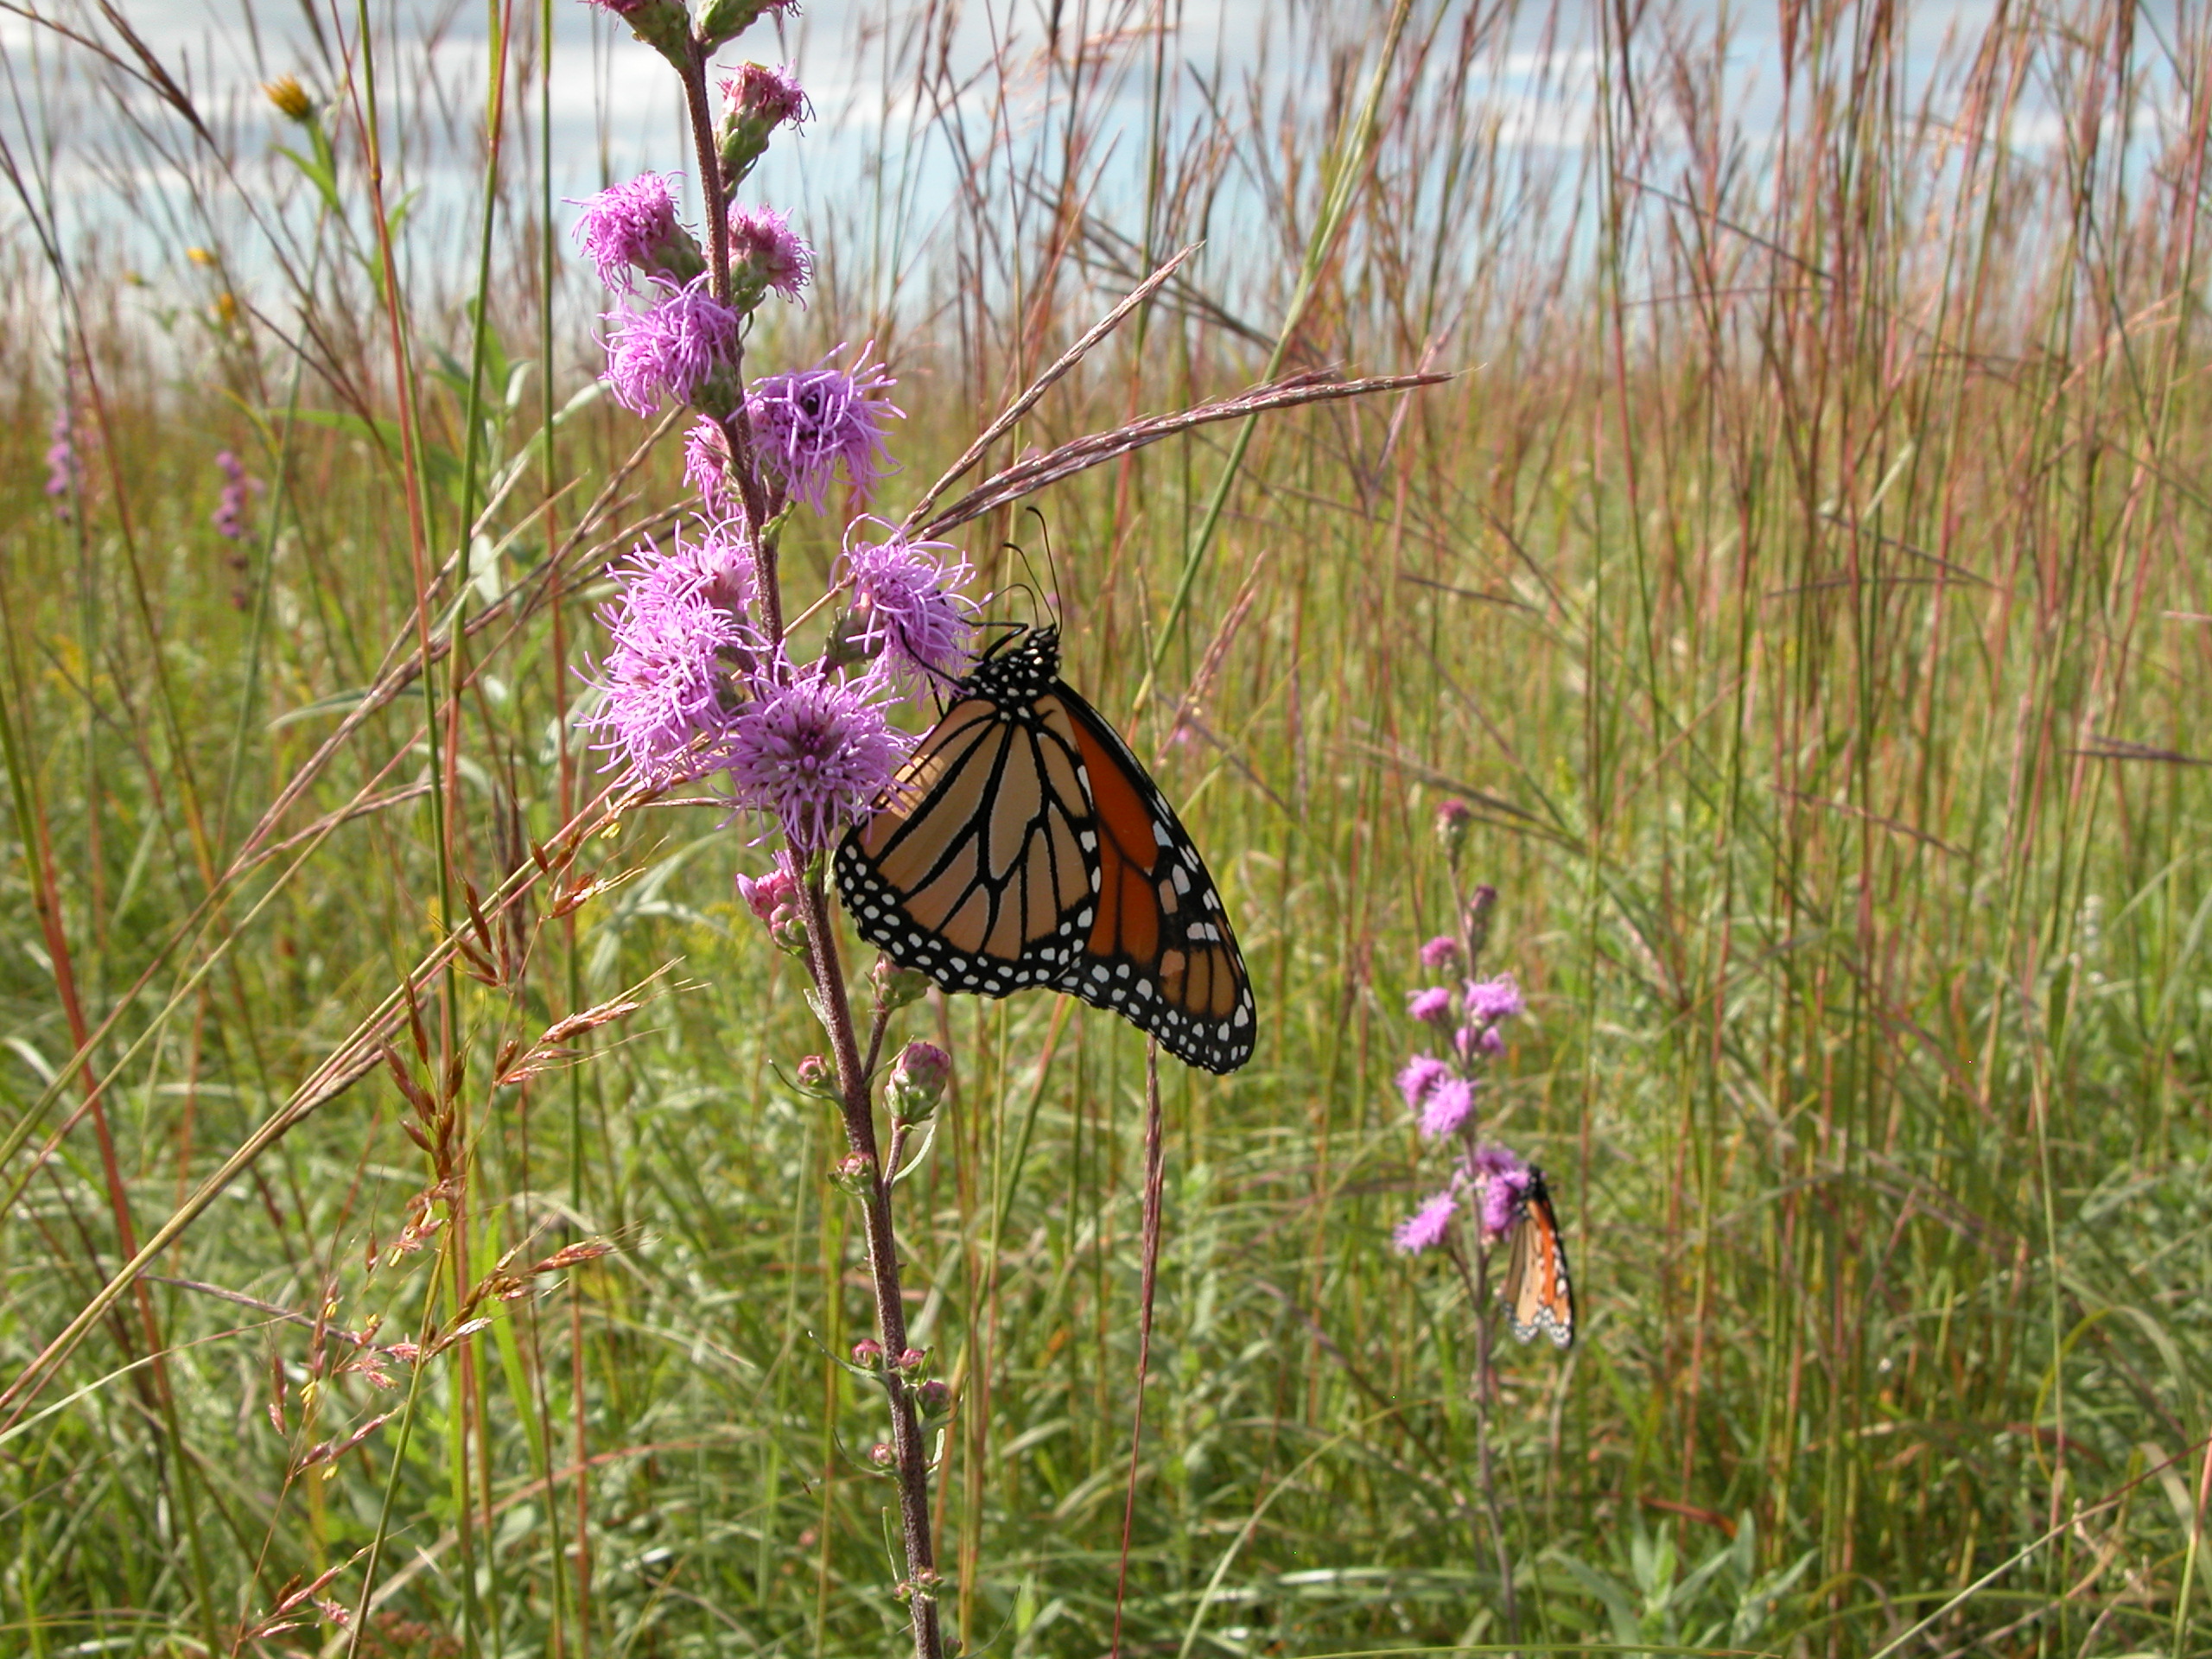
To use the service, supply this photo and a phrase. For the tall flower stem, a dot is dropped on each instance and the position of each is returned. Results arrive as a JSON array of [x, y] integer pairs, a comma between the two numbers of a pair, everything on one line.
[[1486, 1389], [736, 431], [910, 1460]]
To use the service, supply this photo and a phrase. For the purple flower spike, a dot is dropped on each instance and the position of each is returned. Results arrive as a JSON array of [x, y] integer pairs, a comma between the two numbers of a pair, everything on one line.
[[631, 227], [1447, 1107], [764, 247], [806, 421], [229, 518], [1496, 998], [904, 606], [1419, 1077], [1433, 1003], [673, 350], [1426, 1226], [813, 751], [1504, 1179], [61, 470], [663, 682]]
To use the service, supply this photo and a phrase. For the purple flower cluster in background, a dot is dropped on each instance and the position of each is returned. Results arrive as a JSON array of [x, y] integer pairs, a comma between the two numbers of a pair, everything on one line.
[[1441, 1093], [238, 487], [62, 475]]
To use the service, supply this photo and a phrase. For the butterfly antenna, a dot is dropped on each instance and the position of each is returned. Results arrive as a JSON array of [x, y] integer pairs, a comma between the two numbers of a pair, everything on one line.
[[1052, 564]]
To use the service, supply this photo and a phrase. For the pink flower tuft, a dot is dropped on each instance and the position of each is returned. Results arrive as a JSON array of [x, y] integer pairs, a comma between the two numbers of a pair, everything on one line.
[[1432, 1003], [1442, 951], [1504, 1179], [633, 227], [1496, 998], [1426, 1226], [1448, 1107], [663, 707], [1419, 1079], [905, 609], [812, 751], [671, 350], [764, 247], [807, 423]]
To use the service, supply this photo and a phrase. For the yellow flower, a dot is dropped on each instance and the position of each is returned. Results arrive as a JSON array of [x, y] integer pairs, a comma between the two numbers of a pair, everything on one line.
[[291, 98]]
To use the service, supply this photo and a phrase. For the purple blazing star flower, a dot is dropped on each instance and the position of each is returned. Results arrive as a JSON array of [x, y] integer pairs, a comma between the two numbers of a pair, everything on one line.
[[807, 421], [1496, 998], [814, 751], [1432, 1003], [61, 472], [633, 227], [671, 350], [1447, 1107], [718, 562], [904, 608], [664, 681], [1419, 1077], [1442, 951], [229, 518], [1504, 1179], [764, 249], [1426, 1226]]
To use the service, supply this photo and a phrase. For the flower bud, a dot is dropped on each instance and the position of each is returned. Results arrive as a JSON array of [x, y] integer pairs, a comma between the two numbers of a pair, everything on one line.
[[722, 21], [934, 1399], [924, 1584], [867, 1353], [896, 987], [756, 100], [1453, 819], [853, 1175], [1442, 951], [918, 1080], [662, 24], [910, 1360], [881, 1455], [290, 99], [817, 1077]]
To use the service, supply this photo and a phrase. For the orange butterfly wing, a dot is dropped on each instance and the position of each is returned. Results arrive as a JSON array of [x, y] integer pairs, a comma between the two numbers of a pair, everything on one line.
[[1538, 1292], [1159, 951], [1023, 844]]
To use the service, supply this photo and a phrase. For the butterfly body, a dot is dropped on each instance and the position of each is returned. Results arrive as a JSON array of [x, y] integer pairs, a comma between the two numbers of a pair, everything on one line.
[[1538, 1294], [1024, 846]]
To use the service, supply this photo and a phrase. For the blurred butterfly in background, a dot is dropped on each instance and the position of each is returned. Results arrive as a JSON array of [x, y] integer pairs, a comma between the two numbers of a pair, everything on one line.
[[1024, 845], [1539, 1295]]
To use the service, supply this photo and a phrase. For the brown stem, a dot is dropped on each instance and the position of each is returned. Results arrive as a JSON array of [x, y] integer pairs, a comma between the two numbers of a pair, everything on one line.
[[910, 1455], [1155, 1170], [1485, 1329], [711, 193]]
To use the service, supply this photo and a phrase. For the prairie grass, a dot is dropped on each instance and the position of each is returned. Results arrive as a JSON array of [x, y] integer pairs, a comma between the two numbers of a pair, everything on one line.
[[1805, 576]]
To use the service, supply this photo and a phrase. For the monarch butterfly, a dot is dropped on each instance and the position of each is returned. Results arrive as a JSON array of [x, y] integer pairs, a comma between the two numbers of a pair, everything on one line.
[[1538, 1294], [1023, 844]]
